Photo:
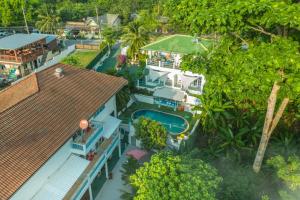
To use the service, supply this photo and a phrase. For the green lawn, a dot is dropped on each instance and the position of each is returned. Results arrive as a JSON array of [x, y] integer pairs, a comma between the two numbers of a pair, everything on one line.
[[84, 57], [126, 116], [182, 44]]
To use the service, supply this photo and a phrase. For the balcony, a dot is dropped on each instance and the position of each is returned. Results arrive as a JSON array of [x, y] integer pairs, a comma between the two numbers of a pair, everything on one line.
[[101, 155], [22, 57], [194, 89], [85, 140], [149, 85], [160, 63]]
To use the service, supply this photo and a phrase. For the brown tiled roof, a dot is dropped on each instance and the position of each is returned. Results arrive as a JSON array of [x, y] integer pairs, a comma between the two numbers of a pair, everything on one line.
[[16, 93], [35, 128]]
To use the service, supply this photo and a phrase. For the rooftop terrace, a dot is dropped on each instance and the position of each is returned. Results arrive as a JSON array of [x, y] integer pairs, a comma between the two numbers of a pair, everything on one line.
[[182, 44]]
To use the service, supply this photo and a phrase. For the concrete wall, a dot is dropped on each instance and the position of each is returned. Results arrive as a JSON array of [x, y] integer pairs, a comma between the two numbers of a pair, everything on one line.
[[144, 98]]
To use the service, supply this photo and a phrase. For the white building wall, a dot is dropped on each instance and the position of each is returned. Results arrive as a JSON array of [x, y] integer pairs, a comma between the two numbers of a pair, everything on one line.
[[32, 186]]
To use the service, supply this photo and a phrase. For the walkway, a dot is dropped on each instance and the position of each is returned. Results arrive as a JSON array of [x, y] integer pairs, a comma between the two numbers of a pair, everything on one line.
[[111, 190], [111, 61]]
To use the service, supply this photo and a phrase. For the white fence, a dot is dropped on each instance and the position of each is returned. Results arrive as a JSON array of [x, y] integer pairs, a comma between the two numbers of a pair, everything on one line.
[[57, 59], [144, 98]]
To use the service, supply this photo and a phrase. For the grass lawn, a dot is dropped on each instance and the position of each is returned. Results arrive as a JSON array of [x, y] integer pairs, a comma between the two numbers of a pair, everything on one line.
[[126, 116], [84, 57], [182, 44]]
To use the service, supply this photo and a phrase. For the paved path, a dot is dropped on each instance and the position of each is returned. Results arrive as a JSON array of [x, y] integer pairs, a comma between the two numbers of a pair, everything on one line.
[[111, 188], [111, 61]]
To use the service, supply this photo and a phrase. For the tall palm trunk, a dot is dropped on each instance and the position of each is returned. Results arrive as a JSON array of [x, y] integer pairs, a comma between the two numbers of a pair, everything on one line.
[[269, 125], [24, 15]]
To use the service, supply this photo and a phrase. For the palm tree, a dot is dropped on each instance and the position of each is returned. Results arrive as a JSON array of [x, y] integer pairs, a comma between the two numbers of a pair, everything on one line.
[[48, 21], [135, 37]]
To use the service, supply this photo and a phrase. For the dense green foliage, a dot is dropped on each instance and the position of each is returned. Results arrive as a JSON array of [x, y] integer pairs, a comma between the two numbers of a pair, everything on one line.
[[287, 171], [171, 177], [68, 10], [152, 134]]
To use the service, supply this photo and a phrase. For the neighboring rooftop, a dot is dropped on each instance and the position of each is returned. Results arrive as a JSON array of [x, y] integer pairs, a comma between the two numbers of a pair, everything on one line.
[[40, 122], [107, 19], [182, 44], [19, 40]]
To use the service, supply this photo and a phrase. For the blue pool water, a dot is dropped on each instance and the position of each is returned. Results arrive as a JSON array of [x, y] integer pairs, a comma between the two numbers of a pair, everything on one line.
[[173, 123]]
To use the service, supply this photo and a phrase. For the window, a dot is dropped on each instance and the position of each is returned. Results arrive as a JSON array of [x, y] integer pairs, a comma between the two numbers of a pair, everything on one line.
[[197, 83]]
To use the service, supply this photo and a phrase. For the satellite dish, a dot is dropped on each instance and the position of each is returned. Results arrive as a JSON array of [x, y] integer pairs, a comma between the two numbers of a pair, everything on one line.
[[84, 124]]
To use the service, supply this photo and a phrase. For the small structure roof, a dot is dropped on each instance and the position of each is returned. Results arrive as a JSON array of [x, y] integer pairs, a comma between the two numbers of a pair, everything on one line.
[[110, 125], [57, 186], [181, 44], [169, 93], [19, 40]]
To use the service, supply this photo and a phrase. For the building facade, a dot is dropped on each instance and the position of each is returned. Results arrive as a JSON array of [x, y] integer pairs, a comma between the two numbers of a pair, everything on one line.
[[170, 85], [20, 54], [64, 160]]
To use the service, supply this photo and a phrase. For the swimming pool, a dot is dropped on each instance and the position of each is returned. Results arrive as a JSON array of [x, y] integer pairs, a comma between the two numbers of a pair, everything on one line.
[[173, 123]]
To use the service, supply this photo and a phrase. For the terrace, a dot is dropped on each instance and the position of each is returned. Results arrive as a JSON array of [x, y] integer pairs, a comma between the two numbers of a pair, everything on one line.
[[167, 52]]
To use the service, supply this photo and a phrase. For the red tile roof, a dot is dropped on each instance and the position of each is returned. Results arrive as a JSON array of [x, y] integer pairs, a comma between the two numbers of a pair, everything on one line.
[[33, 129], [16, 93]]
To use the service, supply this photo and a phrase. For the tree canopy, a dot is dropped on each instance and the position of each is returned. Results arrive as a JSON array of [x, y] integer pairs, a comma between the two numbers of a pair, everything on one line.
[[151, 133], [170, 177]]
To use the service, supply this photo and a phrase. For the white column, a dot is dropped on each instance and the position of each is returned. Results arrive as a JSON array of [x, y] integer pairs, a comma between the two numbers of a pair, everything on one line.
[[106, 170], [120, 150], [90, 192]]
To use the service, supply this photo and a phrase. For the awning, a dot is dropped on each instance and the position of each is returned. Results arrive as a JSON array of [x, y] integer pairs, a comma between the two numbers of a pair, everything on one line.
[[169, 93], [187, 80], [61, 181], [111, 124], [136, 153], [154, 75]]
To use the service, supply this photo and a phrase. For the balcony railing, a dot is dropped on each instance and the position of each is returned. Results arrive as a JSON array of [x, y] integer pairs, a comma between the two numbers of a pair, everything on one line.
[[195, 88], [22, 58], [166, 64], [84, 141]]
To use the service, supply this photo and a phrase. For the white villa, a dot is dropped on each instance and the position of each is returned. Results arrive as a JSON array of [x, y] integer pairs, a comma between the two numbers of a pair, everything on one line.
[[173, 87], [59, 134]]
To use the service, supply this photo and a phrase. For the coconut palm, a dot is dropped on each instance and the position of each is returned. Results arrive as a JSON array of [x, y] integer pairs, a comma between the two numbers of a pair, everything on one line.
[[135, 37], [48, 21]]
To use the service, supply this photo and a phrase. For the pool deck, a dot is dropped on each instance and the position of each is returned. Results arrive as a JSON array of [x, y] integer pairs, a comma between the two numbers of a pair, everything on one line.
[[126, 116]]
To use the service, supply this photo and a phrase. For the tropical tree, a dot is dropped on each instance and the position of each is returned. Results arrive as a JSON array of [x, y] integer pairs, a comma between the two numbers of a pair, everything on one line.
[[288, 171], [151, 133], [257, 47], [48, 20], [129, 168], [122, 98], [171, 177], [135, 37]]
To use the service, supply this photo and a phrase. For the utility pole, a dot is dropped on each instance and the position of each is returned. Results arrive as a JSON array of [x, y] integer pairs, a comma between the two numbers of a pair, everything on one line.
[[97, 16], [24, 15]]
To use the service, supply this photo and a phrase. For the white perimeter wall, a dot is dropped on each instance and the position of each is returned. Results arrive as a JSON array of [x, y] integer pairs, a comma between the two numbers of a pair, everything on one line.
[[144, 98]]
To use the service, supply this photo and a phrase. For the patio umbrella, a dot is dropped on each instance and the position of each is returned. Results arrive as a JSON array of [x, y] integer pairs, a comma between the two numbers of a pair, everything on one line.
[[136, 153]]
